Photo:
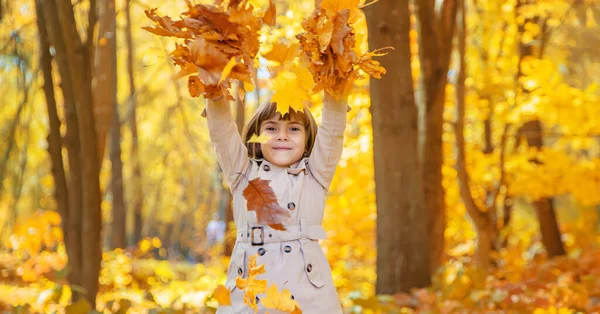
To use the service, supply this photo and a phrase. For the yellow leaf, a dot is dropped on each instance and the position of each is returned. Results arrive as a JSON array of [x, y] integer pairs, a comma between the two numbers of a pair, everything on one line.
[[279, 301], [339, 5], [249, 87], [227, 69], [222, 295], [263, 138], [291, 90], [251, 285], [281, 52]]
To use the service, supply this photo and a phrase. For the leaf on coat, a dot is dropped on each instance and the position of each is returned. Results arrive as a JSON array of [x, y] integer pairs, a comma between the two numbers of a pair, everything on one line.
[[280, 301], [262, 200], [222, 295], [251, 285]]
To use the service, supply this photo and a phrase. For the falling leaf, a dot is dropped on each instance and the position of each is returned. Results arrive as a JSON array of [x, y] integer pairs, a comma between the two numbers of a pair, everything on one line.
[[263, 138], [282, 52], [292, 89], [222, 295], [262, 200], [280, 301], [251, 285]]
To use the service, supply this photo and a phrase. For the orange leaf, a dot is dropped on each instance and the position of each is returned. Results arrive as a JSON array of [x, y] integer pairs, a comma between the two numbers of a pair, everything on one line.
[[281, 52], [222, 295], [194, 86], [270, 14], [262, 200]]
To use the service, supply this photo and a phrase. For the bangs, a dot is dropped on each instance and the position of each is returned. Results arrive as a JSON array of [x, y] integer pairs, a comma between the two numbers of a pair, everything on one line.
[[270, 112]]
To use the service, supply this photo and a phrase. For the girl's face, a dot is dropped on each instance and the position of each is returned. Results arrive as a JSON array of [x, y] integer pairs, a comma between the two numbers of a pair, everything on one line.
[[286, 143]]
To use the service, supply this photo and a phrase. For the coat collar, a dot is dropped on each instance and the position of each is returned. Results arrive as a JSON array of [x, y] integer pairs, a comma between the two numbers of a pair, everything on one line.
[[292, 169]]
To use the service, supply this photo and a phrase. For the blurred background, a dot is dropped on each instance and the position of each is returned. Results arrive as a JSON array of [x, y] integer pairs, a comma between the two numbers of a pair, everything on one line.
[[469, 182]]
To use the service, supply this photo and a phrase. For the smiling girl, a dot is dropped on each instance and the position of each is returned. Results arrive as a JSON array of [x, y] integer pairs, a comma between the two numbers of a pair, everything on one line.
[[299, 158]]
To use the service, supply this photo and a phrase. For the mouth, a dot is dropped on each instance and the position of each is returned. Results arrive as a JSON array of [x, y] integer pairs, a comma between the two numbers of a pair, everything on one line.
[[282, 148]]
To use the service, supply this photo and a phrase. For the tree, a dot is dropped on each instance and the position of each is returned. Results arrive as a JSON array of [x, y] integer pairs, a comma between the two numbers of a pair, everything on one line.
[[402, 229], [81, 219], [436, 29]]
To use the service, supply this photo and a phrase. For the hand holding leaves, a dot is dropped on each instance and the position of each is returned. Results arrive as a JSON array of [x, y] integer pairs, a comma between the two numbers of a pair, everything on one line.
[[220, 43]]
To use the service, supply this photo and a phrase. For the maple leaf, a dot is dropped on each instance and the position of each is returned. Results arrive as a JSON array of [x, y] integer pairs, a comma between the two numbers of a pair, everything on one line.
[[262, 200], [282, 52], [338, 5], [292, 89], [280, 301], [251, 285], [263, 138], [222, 295]]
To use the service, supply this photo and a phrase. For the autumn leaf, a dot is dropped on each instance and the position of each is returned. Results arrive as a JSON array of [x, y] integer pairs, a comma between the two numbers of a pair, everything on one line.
[[270, 15], [262, 200], [214, 36], [222, 295], [328, 48], [292, 88], [339, 5], [263, 138], [227, 69], [280, 301], [281, 52], [251, 285]]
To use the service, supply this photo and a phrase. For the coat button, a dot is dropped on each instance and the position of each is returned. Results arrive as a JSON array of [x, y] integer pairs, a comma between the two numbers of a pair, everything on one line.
[[291, 206], [266, 167], [261, 251], [240, 271], [287, 248], [309, 267]]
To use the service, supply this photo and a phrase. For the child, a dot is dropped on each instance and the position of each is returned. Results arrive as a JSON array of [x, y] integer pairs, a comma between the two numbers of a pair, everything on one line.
[[300, 162]]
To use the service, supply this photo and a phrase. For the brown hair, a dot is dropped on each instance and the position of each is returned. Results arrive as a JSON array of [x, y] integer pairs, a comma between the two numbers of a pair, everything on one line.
[[267, 111]]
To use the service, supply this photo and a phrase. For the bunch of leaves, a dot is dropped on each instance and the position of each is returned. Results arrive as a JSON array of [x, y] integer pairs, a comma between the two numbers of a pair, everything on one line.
[[329, 47], [220, 43]]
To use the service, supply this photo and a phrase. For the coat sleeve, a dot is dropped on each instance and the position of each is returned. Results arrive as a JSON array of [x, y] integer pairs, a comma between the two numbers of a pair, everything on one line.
[[329, 142], [231, 152]]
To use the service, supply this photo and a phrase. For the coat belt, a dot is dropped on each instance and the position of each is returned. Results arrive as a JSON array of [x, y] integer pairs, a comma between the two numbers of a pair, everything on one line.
[[266, 234]]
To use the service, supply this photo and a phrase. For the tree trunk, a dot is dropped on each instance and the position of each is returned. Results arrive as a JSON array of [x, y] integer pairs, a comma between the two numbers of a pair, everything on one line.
[[403, 246], [105, 63], [435, 45], [118, 234], [54, 138], [544, 207], [136, 180], [72, 221], [84, 220], [532, 130]]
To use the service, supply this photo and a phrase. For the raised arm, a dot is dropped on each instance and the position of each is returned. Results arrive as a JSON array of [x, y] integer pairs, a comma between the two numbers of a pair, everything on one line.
[[329, 143], [232, 154]]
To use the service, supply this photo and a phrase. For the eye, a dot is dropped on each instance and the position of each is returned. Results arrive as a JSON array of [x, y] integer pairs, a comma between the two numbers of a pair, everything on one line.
[[270, 128], [295, 129]]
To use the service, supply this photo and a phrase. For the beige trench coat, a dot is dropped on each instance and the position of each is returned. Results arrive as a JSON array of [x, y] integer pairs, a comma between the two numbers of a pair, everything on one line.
[[293, 258]]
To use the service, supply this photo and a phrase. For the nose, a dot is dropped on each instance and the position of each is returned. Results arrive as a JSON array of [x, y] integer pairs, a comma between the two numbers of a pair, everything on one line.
[[282, 135]]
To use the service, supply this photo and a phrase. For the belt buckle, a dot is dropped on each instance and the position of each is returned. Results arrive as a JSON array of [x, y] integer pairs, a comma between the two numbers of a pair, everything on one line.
[[262, 235]]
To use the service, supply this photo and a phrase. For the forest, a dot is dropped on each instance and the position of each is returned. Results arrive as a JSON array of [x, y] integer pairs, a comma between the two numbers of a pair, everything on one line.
[[469, 180]]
